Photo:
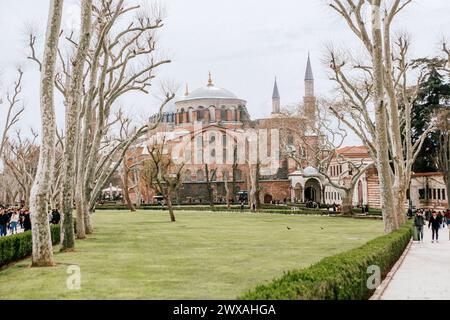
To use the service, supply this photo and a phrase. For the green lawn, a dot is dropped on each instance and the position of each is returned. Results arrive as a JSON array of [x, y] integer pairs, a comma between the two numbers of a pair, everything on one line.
[[203, 255]]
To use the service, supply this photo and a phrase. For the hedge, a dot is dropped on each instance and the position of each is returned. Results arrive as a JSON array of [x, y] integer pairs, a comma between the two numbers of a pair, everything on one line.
[[19, 246], [339, 277]]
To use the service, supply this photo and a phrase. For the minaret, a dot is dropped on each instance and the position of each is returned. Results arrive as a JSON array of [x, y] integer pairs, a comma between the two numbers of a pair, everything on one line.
[[309, 100], [275, 99]]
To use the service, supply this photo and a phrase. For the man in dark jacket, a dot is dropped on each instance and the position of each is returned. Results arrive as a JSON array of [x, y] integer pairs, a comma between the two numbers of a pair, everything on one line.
[[419, 222], [4, 219], [435, 224], [27, 221]]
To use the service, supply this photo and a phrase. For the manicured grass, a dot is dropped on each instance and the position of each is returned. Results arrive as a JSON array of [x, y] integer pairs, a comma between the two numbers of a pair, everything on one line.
[[203, 255]]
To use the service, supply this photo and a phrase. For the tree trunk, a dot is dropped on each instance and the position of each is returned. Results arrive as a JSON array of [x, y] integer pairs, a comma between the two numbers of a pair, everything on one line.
[[42, 253], [400, 199], [169, 206], [87, 221], [79, 203], [227, 190], [72, 124], [125, 186], [383, 161], [347, 202]]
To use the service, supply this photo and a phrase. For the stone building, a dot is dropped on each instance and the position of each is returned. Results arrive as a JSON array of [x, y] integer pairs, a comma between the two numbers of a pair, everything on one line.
[[427, 190]]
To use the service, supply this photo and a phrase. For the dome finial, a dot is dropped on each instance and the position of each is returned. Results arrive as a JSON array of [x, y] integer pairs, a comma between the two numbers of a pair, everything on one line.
[[210, 82], [186, 93]]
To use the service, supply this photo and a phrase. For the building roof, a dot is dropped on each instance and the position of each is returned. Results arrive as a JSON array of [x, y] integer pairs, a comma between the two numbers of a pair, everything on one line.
[[354, 151], [309, 73]]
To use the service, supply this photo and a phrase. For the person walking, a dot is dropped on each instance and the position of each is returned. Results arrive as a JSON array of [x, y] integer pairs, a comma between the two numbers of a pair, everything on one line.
[[435, 224], [419, 222], [27, 221], [447, 217], [4, 218], [13, 222]]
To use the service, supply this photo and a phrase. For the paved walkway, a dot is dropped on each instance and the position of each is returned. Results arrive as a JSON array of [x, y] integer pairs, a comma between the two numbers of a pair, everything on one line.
[[425, 271]]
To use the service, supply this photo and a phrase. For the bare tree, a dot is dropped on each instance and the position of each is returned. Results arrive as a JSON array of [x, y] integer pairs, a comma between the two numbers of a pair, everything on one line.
[[13, 111], [377, 98], [42, 244], [73, 106], [21, 160], [162, 174]]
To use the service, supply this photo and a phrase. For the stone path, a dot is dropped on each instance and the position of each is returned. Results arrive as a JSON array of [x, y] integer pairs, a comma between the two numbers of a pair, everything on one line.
[[424, 274]]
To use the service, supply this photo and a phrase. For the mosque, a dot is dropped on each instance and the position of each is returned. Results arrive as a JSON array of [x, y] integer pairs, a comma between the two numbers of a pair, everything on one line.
[[211, 117]]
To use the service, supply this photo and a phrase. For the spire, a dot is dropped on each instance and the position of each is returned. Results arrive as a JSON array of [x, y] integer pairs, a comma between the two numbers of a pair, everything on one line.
[[210, 82], [186, 93], [309, 73], [275, 99], [276, 93]]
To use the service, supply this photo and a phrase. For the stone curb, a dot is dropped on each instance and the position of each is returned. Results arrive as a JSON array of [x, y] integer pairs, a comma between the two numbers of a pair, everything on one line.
[[382, 287]]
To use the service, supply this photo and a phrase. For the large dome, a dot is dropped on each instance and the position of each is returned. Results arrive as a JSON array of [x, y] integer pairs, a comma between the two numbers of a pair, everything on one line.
[[209, 92]]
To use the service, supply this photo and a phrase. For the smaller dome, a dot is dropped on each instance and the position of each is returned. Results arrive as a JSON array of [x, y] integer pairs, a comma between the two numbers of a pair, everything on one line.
[[310, 171]]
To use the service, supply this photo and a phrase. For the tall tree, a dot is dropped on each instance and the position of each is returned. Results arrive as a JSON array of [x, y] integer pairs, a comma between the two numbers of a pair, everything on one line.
[[42, 243], [73, 106], [377, 98], [434, 95]]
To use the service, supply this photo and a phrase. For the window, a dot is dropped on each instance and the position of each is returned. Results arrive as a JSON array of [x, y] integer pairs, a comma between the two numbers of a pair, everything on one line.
[[200, 176], [434, 194], [223, 114], [238, 174], [421, 194], [439, 194], [187, 176], [200, 115], [443, 194]]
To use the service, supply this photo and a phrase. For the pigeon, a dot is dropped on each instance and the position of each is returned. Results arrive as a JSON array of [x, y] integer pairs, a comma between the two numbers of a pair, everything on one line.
[[288, 228]]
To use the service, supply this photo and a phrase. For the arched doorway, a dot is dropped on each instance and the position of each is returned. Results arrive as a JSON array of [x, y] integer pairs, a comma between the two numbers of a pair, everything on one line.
[[298, 191], [312, 190], [268, 198]]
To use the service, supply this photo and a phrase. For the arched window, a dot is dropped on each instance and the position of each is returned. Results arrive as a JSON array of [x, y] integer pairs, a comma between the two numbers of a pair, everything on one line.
[[200, 175], [200, 114], [223, 114]]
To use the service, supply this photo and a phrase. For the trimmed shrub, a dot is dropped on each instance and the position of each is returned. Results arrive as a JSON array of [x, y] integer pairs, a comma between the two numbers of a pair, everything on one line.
[[339, 277], [19, 246]]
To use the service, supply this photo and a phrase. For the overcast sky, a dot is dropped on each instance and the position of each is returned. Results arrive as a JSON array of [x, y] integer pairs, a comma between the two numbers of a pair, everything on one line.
[[244, 43]]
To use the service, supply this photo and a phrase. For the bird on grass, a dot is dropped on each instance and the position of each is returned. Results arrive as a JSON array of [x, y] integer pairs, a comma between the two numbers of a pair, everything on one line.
[[288, 228]]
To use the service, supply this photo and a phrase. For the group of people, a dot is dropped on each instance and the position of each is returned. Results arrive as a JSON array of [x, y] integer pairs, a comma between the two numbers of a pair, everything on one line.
[[11, 219], [14, 219], [436, 220]]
